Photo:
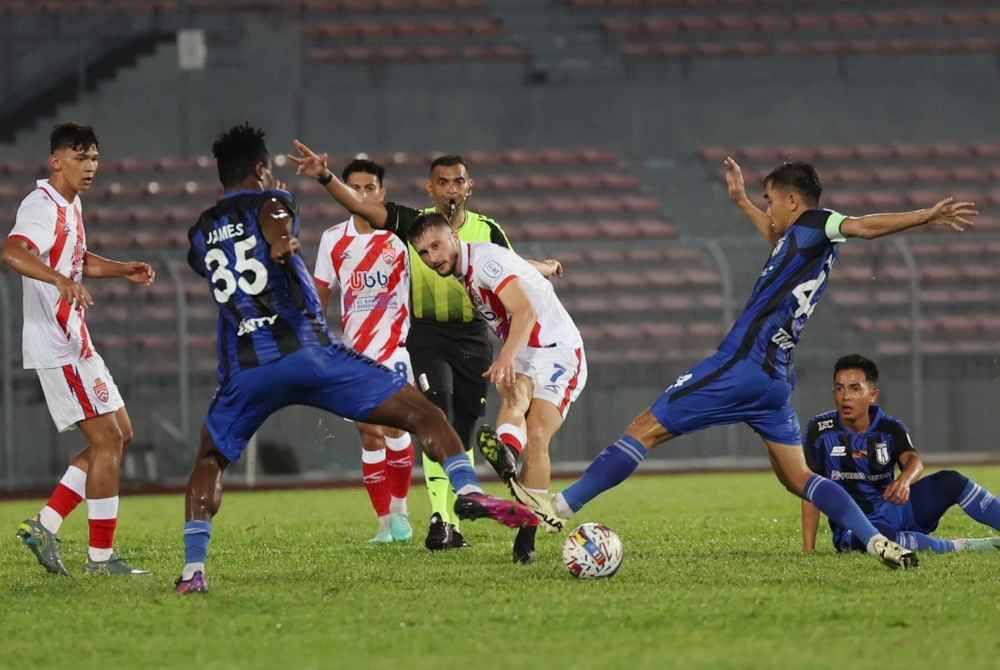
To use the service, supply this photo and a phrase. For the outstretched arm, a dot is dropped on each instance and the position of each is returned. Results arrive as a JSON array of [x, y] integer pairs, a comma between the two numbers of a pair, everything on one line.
[[548, 267], [522, 321], [99, 267], [738, 194], [23, 259], [948, 212], [314, 165]]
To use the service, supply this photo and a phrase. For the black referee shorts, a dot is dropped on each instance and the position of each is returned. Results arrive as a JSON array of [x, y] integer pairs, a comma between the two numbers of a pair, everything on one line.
[[454, 357]]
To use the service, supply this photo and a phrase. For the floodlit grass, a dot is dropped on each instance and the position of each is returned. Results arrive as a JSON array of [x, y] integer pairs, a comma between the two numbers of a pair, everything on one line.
[[712, 578]]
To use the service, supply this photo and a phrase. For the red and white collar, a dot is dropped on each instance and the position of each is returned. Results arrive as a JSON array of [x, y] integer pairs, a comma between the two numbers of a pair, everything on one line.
[[53, 194]]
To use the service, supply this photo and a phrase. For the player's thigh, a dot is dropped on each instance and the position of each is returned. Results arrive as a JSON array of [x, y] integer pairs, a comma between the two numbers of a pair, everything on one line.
[[928, 503], [719, 390], [346, 383], [372, 436], [125, 425], [410, 411], [102, 432]]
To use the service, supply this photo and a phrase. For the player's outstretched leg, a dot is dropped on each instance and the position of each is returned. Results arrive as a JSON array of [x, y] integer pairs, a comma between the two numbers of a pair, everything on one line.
[[409, 410], [107, 435], [918, 541], [934, 494], [789, 465], [203, 499]]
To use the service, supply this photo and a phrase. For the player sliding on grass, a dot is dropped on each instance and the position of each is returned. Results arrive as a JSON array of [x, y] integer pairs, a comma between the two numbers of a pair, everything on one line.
[[858, 446], [274, 349], [750, 379], [542, 351]]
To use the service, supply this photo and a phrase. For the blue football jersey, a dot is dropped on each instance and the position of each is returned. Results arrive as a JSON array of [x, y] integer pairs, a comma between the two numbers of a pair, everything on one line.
[[786, 293], [863, 463], [267, 310]]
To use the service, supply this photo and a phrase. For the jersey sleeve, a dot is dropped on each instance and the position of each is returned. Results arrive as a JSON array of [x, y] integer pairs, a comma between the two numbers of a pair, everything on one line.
[[35, 224], [901, 442], [324, 272], [811, 448], [497, 235], [497, 267], [400, 218], [196, 252], [819, 228]]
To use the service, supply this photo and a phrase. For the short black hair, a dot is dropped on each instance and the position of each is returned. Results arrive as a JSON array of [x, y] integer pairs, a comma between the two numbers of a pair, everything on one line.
[[72, 136], [366, 166], [857, 362], [798, 176], [425, 222], [448, 160], [237, 153]]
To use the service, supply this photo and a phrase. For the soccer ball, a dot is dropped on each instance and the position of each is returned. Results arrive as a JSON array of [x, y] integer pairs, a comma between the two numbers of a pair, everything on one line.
[[593, 550]]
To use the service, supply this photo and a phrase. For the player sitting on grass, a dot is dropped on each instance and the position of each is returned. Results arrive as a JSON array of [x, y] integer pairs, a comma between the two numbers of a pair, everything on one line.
[[275, 350], [858, 446], [750, 379], [542, 350]]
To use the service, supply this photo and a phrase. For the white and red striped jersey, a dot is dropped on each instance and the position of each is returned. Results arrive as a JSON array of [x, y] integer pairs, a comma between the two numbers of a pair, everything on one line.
[[55, 333], [373, 272], [486, 268]]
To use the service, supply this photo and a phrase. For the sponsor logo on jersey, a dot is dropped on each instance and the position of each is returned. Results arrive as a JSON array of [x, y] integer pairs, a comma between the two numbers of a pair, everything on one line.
[[361, 280], [248, 326], [837, 475], [492, 269], [223, 233], [839, 450], [825, 425], [783, 339], [101, 390]]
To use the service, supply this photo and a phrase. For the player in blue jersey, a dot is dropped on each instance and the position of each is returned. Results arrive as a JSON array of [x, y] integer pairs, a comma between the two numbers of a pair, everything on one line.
[[750, 379], [859, 446], [275, 350]]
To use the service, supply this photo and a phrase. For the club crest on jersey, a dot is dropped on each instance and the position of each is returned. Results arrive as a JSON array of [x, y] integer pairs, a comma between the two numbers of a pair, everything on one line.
[[101, 390], [882, 453], [492, 269], [389, 253]]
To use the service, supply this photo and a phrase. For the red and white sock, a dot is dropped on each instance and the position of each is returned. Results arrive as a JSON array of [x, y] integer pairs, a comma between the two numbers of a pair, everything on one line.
[[103, 517], [374, 476], [399, 465], [65, 497], [512, 436]]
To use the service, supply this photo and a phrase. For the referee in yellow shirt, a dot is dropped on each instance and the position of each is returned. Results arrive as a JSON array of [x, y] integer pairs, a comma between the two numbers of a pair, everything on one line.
[[447, 342]]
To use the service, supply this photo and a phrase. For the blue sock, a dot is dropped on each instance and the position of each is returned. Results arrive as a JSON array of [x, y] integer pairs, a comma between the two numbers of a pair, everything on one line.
[[980, 504], [609, 469], [197, 535], [462, 475], [837, 504], [922, 542]]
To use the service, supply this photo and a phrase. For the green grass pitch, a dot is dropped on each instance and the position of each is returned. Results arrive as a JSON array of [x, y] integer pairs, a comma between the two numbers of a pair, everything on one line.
[[712, 578]]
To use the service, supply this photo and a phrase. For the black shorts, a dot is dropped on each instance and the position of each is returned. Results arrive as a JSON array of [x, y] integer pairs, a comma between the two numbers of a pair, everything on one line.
[[454, 357]]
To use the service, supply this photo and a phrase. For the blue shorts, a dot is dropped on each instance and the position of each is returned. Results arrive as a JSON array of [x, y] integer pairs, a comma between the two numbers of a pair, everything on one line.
[[723, 390], [333, 378], [921, 514]]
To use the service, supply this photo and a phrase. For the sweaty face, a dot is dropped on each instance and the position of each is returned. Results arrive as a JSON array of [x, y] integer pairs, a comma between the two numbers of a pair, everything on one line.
[[853, 394], [77, 166], [449, 183], [438, 249], [783, 207], [367, 186]]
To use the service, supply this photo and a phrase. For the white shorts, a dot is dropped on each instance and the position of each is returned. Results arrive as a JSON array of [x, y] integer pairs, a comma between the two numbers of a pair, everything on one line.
[[399, 362], [559, 373], [79, 391]]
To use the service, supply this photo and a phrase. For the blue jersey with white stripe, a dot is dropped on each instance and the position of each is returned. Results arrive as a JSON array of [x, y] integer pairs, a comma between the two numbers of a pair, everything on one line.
[[267, 309], [786, 293], [864, 464]]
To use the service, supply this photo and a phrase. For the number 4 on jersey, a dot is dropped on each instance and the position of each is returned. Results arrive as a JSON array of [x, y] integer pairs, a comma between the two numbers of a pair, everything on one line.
[[225, 281]]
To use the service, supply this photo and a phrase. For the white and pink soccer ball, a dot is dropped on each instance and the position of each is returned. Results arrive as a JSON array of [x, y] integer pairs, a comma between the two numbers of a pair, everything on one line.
[[593, 550]]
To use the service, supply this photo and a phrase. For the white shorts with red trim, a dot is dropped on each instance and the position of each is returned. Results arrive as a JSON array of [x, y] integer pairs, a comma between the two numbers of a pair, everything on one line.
[[559, 373], [79, 391]]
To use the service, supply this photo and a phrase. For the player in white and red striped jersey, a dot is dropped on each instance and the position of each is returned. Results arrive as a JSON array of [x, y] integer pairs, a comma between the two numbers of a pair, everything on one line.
[[371, 267], [48, 248], [542, 353]]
